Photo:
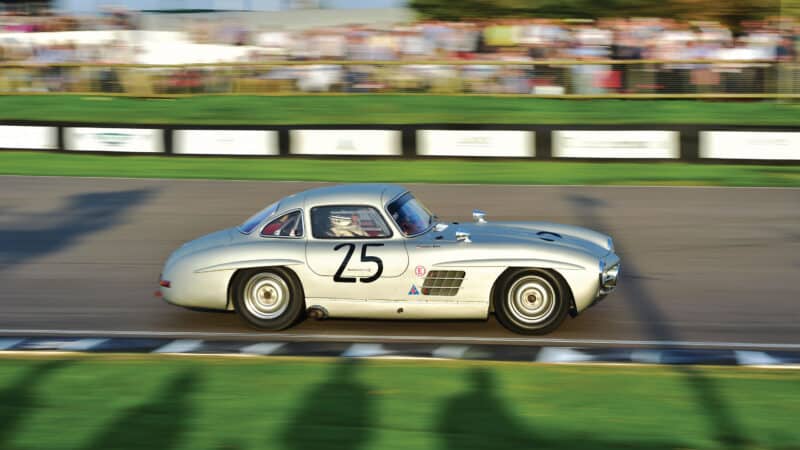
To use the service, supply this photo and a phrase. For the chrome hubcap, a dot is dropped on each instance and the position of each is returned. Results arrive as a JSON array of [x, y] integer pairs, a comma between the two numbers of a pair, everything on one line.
[[531, 299], [266, 295]]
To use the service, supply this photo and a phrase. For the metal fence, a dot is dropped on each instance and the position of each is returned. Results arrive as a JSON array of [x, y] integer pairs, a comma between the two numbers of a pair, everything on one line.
[[565, 79]]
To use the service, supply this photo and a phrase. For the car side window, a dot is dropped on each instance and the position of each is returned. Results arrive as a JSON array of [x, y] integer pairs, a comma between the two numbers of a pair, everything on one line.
[[287, 225], [348, 222]]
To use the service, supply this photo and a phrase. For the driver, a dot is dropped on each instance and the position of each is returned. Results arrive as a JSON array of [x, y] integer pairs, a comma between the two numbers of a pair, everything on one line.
[[344, 226], [404, 222]]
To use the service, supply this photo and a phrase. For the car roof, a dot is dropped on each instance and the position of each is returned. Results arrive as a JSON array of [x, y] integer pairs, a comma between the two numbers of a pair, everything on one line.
[[373, 194]]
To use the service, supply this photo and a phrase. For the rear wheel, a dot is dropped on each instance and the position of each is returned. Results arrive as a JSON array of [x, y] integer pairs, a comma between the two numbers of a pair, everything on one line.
[[531, 302], [270, 299]]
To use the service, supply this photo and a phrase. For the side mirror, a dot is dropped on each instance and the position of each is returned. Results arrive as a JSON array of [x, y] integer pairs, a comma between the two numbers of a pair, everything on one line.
[[479, 216], [462, 236]]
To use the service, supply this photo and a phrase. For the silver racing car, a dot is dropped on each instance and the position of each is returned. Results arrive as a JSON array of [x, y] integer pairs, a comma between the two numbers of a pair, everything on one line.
[[374, 251]]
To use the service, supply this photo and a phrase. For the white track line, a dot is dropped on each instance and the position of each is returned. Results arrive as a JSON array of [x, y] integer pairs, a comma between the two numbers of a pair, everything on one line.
[[364, 350], [450, 351], [750, 358], [561, 355], [262, 348], [180, 346], [399, 338]]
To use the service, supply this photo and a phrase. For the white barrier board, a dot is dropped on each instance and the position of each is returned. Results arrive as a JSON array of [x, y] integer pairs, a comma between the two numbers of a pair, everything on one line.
[[133, 140], [476, 143], [616, 144], [345, 142], [225, 142], [750, 145], [28, 137]]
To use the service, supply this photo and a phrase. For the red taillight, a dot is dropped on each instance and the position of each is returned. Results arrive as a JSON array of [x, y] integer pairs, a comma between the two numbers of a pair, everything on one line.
[[164, 283]]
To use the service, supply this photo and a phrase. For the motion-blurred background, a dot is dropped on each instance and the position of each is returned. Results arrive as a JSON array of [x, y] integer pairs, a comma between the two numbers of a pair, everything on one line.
[[554, 48], [518, 107]]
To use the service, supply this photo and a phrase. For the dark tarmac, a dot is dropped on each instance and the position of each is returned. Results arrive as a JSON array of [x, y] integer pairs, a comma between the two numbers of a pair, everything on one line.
[[701, 266]]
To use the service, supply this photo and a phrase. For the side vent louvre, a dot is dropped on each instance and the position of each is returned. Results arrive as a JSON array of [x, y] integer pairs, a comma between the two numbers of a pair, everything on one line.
[[443, 282]]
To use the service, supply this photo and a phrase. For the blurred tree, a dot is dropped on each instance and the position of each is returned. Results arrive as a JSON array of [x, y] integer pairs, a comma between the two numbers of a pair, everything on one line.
[[730, 12], [791, 8]]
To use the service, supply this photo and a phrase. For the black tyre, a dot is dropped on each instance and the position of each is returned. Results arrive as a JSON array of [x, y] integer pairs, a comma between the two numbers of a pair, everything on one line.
[[269, 299], [531, 301]]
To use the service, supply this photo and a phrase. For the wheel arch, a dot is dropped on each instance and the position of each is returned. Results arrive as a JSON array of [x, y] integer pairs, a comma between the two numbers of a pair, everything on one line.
[[510, 271], [238, 272]]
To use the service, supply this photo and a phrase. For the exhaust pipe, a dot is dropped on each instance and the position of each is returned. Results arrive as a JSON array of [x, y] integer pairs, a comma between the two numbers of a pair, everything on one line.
[[317, 312]]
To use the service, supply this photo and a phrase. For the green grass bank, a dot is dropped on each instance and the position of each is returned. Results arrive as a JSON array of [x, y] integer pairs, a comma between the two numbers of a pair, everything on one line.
[[120, 402], [398, 170], [391, 109]]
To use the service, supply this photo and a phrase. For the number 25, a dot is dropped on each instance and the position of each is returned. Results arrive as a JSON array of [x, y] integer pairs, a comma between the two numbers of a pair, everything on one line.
[[364, 258]]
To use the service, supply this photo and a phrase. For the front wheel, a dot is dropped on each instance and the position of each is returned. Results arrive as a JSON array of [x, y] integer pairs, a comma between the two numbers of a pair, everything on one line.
[[270, 299], [531, 302]]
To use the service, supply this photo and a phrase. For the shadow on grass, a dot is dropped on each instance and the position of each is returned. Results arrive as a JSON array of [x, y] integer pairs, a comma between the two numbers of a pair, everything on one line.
[[727, 432], [336, 415], [479, 419], [158, 424], [18, 400]]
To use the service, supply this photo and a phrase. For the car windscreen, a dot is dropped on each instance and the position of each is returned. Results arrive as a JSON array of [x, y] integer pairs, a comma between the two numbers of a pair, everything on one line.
[[411, 216], [250, 224]]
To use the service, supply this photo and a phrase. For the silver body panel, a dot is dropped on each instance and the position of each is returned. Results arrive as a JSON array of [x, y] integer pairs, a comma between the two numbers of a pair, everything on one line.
[[200, 271]]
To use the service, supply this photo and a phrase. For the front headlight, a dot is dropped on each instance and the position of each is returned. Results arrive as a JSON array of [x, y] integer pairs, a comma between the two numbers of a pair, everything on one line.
[[608, 279], [613, 272]]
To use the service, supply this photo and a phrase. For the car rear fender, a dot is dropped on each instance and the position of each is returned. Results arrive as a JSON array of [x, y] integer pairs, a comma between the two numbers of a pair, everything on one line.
[[237, 266]]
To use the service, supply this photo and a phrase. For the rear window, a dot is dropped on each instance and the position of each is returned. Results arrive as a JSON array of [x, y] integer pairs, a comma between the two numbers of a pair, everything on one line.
[[250, 224], [287, 225]]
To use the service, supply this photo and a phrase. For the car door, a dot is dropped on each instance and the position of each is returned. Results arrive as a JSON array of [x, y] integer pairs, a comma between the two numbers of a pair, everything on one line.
[[353, 253]]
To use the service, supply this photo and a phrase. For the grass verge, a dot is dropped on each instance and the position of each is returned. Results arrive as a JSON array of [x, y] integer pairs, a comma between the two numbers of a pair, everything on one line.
[[212, 403], [391, 109], [396, 170]]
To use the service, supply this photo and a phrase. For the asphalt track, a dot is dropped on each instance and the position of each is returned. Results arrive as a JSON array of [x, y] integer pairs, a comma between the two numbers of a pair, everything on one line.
[[711, 267]]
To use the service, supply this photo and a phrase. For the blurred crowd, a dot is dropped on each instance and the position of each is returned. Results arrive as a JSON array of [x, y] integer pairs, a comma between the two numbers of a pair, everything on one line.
[[43, 20], [502, 39], [428, 46], [533, 39]]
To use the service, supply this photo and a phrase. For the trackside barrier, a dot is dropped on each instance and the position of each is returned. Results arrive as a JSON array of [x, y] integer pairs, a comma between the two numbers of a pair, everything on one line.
[[744, 144], [22, 137], [338, 142], [477, 143], [616, 144], [773, 145], [101, 139], [225, 142]]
